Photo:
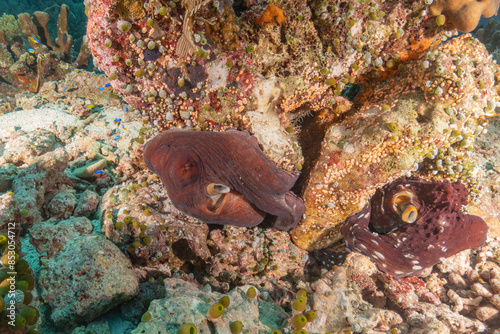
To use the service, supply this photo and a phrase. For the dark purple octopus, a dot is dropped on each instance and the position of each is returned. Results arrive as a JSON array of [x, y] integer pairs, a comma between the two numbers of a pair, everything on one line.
[[411, 224], [223, 178]]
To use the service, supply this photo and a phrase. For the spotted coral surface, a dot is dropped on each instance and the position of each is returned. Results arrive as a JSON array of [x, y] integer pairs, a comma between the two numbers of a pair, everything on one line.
[[104, 279]]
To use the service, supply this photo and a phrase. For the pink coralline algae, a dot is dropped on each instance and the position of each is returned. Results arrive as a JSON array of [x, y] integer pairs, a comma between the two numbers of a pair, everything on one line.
[[223, 178], [413, 224]]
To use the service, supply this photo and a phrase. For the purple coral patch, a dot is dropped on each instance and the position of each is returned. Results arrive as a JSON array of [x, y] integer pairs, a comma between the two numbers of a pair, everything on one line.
[[151, 55], [401, 248], [196, 75]]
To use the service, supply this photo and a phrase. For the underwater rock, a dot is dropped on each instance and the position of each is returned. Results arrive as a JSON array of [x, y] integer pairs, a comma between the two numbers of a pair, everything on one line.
[[31, 184], [62, 204], [8, 172], [241, 254], [223, 178], [50, 236], [437, 319], [249, 76], [336, 303], [413, 224], [79, 84], [489, 35], [133, 309], [100, 326], [187, 302], [442, 302], [89, 276], [8, 210], [152, 230], [24, 147]]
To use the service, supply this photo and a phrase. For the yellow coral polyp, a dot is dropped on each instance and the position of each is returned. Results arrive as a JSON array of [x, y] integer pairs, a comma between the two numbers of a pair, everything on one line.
[[187, 329], [216, 310]]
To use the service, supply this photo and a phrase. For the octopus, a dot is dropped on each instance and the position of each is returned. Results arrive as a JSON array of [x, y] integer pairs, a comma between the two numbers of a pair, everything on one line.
[[223, 178], [410, 225]]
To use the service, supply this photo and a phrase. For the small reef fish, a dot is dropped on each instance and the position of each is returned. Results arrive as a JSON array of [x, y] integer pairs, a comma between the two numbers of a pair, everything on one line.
[[30, 50], [34, 39], [105, 86], [90, 106], [118, 120], [73, 70], [98, 171], [117, 138], [65, 88]]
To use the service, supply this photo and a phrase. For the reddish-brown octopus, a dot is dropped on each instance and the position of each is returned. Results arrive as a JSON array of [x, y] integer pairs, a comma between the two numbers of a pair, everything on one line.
[[223, 178], [411, 224]]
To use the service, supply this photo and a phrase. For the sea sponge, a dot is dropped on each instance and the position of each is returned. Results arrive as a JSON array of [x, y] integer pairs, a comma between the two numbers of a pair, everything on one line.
[[216, 310], [464, 14], [271, 12]]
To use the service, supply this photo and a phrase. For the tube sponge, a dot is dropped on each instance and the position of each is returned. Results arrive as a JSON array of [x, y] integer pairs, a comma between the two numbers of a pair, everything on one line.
[[215, 310], [187, 329]]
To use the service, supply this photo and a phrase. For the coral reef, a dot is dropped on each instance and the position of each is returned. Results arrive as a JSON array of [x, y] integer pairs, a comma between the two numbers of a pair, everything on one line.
[[459, 296], [418, 121], [50, 236], [411, 225], [223, 178], [185, 302], [44, 60], [221, 86]]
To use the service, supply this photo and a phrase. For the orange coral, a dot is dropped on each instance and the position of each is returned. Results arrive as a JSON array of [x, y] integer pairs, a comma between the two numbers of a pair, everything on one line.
[[271, 12]]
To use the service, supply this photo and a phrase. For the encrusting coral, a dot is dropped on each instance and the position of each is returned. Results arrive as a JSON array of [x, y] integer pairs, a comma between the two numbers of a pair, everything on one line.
[[271, 13]]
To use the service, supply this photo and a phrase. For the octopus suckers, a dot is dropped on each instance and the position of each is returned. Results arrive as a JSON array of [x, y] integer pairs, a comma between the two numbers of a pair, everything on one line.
[[416, 267]]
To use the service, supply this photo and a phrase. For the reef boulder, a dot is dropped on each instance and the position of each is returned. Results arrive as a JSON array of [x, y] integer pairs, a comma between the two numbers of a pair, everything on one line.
[[88, 277]]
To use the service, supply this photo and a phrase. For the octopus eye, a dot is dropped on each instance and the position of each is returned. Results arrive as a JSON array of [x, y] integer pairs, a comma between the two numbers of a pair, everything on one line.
[[409, 214], [215, 189], [216, 196], [184, 170]]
